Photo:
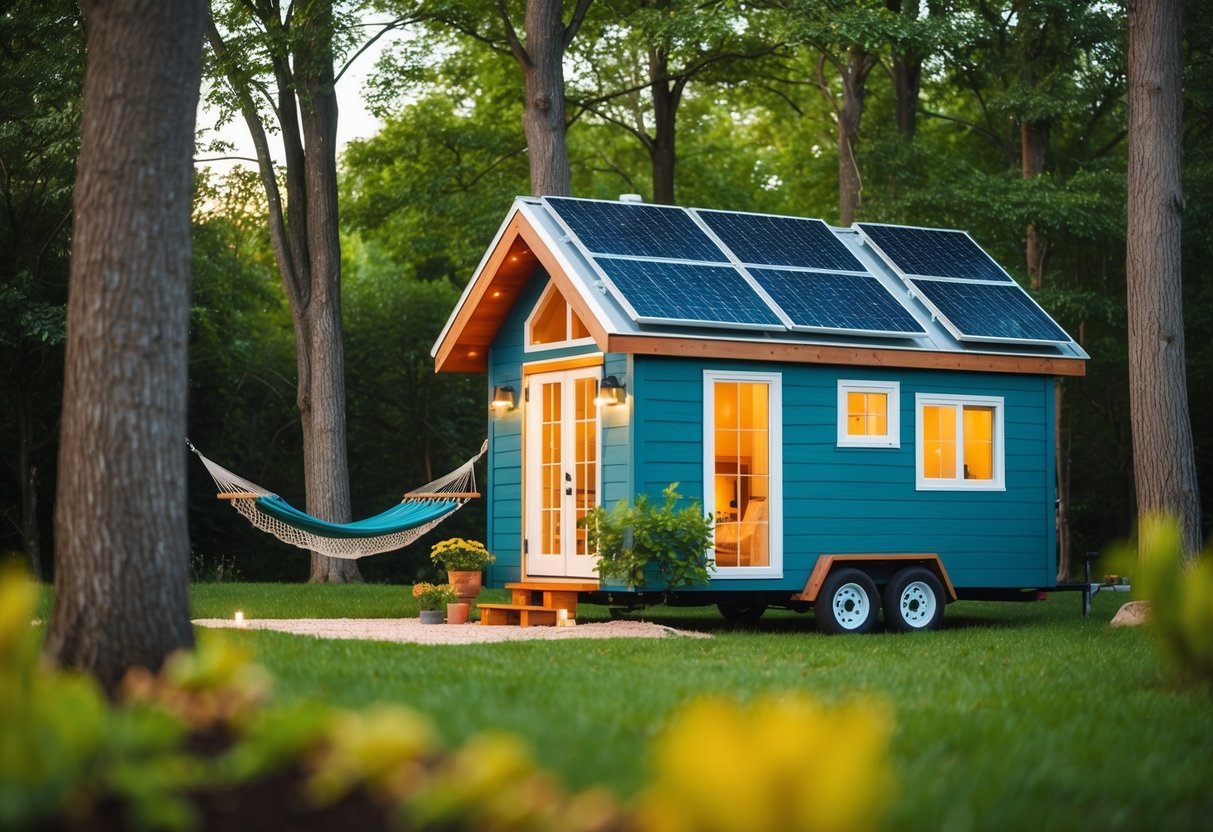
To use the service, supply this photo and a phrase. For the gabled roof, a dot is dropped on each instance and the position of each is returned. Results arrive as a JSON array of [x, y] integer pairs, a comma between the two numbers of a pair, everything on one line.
[[633, 273]]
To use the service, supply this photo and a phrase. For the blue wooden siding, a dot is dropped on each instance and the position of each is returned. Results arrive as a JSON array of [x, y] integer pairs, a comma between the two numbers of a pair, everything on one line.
[[506, 454], [864, 500]]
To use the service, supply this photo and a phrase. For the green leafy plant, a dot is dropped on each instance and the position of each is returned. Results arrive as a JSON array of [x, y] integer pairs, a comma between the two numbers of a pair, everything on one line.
[[458, 555], [434, 596], [1180, 595], [627, 539]]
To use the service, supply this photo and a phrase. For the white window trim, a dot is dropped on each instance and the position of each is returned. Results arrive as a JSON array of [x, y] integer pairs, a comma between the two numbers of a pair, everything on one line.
[[774, 382], [529, 346], [998, 483], [892, 389]]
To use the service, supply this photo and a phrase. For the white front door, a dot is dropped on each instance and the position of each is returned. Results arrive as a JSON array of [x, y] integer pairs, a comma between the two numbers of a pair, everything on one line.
[[561, 471]]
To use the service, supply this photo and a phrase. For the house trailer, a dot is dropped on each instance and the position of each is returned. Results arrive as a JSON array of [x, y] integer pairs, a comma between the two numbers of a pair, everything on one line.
[[867, 413]]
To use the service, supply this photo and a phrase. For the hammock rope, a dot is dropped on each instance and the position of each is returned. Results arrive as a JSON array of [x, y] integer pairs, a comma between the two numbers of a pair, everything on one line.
[[420, 510]]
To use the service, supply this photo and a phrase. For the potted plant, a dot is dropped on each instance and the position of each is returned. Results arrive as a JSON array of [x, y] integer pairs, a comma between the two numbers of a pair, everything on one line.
[[463, 560], [432, 599]]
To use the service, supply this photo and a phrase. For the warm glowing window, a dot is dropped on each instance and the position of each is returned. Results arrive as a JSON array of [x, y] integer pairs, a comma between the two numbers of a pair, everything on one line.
[[742, 471], [960, 442], [553, 323], [869, 414]]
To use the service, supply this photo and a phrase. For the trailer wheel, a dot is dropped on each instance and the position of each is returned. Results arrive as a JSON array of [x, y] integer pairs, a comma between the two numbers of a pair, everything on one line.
[[742, 614], [848, 603], [913, 600]]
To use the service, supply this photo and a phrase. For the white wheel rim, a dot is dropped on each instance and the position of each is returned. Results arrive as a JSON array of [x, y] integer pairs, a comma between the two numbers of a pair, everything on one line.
[[851, 606], [917, 604]]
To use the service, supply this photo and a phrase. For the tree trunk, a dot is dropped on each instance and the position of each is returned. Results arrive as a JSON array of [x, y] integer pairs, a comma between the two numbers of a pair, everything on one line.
[[662, 150], [907, 74], [307, 248], [855, 69], [321, 358], [1034, 151], [121, 536], [1163, 461], [31, 532], [543, 113]]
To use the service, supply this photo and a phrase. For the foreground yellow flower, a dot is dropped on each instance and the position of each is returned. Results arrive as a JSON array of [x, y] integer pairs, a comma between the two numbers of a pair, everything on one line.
[[788, 764]]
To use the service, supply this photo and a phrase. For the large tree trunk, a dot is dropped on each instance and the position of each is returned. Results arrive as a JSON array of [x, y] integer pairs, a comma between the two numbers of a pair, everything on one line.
[[855, 69], [907, 73], [543, 113], [304, 236], [121, 537], [662, 149], [321, 394], [1163, 461]]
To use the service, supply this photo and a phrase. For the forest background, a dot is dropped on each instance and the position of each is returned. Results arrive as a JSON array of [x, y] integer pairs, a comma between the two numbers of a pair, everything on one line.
[[1006, 119]]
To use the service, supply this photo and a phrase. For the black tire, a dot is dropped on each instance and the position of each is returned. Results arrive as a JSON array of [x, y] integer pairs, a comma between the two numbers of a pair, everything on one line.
[[914, 601], [742, 614], [848, 603]]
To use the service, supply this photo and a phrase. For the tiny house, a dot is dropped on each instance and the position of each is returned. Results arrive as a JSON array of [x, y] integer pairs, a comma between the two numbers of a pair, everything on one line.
[[866, 412]]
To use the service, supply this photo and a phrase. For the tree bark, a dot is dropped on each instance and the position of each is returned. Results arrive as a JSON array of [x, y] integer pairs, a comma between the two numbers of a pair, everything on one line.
[[121, 536], [1163, 460], [321, 357], [1034, 151], [667, 95], [543, 122], [907, 74], [305, 239], [855, 69]]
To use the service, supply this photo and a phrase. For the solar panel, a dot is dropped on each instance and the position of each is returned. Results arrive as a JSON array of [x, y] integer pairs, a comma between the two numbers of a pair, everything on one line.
[[933, 252], [837, 302], [991, 311], [690, 293], [765, 240], [636, 230]]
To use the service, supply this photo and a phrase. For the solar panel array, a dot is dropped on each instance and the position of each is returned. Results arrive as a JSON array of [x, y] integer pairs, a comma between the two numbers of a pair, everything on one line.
[[962, 285], [674, 266]]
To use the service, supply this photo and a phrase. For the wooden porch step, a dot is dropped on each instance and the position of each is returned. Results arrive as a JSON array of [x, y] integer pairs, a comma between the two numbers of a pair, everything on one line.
[[551, 595], [528, 615]]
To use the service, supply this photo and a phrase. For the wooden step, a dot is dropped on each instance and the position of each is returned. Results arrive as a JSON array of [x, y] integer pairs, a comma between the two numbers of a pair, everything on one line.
[[552, 595], [522, 615]]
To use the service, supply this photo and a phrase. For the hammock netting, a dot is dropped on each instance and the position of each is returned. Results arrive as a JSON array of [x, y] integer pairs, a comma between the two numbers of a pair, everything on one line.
[[420, 510]]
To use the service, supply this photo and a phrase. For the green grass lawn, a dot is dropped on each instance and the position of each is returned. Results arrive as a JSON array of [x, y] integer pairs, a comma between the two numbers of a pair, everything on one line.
[[1012, 716]]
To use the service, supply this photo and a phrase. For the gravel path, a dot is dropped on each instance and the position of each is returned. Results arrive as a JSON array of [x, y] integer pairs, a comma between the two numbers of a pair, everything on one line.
[[412, 631]]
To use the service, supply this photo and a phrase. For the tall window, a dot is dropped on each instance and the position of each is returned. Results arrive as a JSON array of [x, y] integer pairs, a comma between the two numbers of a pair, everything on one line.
[[869, 414], [960, 442], [743, 471], [554, 323]]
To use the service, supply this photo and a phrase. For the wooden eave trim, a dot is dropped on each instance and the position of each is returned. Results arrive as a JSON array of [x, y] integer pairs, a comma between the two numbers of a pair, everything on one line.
[[825, 562], [518, 228], [555, 365], [858, 356]]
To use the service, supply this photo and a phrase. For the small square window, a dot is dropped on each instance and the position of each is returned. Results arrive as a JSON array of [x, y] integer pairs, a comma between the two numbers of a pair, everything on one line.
[[869, 414], [959, 443]]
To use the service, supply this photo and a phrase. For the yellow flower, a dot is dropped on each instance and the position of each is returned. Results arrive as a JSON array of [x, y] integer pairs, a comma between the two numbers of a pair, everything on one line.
[[786, 764]]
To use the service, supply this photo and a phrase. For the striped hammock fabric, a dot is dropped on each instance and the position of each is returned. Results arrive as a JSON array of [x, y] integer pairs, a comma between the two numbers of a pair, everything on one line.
[[419, 511]]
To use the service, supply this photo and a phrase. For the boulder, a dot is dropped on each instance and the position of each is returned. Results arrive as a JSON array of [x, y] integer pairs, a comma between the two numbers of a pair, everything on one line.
[[1132, 614]]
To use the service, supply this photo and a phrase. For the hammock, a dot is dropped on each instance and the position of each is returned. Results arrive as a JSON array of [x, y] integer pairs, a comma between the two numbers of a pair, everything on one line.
[[419, 511]]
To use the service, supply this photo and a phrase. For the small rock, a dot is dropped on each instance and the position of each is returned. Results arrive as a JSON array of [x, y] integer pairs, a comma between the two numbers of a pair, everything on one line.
[[1132, 614]]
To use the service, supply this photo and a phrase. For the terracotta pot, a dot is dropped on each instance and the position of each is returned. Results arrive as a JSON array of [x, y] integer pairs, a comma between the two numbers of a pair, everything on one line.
[[457, 613], [431, 616], [467, 586]]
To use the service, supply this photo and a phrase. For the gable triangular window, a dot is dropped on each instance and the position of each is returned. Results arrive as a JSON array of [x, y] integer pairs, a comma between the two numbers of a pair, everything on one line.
[[554, 323]]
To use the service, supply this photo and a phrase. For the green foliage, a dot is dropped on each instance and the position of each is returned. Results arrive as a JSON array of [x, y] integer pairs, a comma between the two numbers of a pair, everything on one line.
[[434, 596], [458, 555], [1180, 592], [629, 539]]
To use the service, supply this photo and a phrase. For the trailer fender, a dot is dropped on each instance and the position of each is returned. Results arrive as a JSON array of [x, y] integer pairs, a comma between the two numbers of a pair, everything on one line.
[[866, 562]]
